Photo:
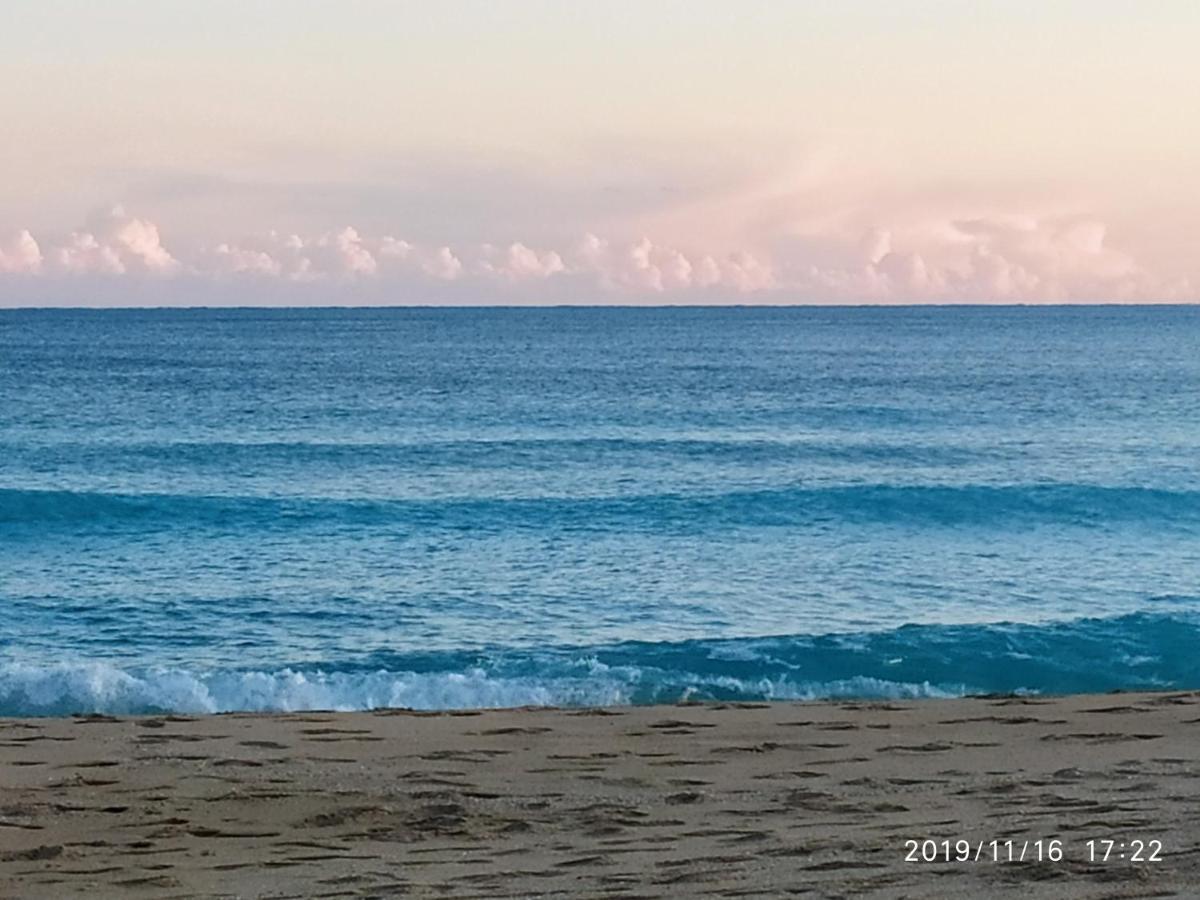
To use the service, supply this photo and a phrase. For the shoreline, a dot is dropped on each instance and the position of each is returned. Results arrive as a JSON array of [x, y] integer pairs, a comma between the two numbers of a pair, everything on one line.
[[713, 799]]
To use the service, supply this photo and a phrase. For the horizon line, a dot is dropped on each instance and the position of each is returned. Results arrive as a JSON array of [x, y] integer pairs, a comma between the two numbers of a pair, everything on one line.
[[1091, 304]]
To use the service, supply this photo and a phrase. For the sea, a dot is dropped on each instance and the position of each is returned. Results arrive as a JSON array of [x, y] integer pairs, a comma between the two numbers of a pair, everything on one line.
[[207, 510]]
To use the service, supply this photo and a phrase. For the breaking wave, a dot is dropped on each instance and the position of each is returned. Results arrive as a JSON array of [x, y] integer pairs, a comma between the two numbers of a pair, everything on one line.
[[1140, 651]]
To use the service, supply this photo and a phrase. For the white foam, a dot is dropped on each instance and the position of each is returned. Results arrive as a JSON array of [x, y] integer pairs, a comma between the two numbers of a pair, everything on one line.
[[100, 687], [861, 686], [88, 687]]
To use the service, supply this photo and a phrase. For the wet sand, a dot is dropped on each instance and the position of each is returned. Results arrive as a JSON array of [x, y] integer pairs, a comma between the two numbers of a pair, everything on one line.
[[787, 799]]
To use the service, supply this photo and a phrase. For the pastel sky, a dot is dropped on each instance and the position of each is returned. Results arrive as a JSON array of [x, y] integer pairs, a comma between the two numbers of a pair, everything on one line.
[[657, 151]]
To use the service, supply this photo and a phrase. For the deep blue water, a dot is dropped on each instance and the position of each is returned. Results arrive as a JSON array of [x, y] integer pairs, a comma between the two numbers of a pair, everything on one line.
[[252, 509]]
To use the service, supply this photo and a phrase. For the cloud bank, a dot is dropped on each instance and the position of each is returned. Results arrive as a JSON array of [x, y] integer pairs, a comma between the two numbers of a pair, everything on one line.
[[988, 258]]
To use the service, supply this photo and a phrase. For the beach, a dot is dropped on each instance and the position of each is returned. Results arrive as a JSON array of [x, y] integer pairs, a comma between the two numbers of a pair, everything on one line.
[[599, 450], [714, 800]]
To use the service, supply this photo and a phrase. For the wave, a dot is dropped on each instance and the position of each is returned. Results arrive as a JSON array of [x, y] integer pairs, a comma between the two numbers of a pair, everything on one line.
[[501, 452], [984, 505], [1140, 651]]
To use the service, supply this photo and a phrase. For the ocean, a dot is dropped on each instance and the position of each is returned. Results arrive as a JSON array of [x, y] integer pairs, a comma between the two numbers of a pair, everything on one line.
[[248, 509]]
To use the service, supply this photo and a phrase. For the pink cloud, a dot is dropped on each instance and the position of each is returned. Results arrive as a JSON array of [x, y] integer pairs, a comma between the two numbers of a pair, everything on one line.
[[115, 245], [644, 266], [520, 262], [442, 265], [239, 260], [998, 257], [350, 255], [85, 254], [21, 254]]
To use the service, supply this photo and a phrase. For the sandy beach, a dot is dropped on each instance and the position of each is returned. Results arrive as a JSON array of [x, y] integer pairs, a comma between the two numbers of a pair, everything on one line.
[[812, 799]]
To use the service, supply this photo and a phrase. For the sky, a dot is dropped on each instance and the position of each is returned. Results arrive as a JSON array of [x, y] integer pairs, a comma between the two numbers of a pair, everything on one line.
[[657, 151]]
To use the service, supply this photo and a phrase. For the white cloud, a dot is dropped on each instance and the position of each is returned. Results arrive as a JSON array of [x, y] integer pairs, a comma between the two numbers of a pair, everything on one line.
[[236, 260], [442, 265], [342, 255], [997, 258], [519, 262], [115, 244], [394, 248], [139, 240], [20, 254], [83, 253], [350, 256], [644, 266], [948, 258]]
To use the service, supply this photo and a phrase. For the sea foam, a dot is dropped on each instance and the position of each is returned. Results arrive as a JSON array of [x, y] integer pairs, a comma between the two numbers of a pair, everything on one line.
[[95, 687], [1139, 651]]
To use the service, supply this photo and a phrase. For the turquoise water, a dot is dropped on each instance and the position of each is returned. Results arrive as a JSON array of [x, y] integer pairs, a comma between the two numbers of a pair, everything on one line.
[[208, 510]]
